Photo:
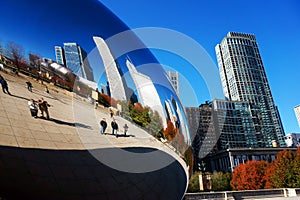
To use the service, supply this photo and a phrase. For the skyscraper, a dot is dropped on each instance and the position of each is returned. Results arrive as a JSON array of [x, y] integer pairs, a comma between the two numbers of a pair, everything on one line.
[[173, 76], [114, 79], [297, 112], [76, 60], [146, 91], [59, 55], [244, 79]]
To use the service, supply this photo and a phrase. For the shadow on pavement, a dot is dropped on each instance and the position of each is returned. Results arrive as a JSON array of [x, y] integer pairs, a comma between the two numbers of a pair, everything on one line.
[[20, 97], [69, 123], [120, 135]]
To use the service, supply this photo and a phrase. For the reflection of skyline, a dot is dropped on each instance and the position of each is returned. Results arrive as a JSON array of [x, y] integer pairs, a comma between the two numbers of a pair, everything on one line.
[[146, 91], [75, 58], [44, 38]]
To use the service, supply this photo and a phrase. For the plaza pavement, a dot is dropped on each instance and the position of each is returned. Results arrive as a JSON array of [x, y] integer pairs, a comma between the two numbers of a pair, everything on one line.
[[74, 122], [59, 158]]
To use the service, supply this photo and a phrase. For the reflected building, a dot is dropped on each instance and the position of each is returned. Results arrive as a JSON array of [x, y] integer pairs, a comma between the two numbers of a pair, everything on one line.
[[76, 60], [114, 79], [59, 55], [297, 113], [146, 90], [173, 77]]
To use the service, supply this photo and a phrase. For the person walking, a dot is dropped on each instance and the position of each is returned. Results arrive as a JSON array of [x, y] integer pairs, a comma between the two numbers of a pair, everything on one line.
[[33, 108], [103, 126], [125, 129], [46, 89], [111, 113], [114, 127], [4, 85], [43, 106], [29, 86]]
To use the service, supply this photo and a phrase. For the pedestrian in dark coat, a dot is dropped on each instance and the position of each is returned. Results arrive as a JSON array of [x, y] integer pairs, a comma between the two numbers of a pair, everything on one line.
[[114, 127], [4, 85], [103, 126], [29, 86]]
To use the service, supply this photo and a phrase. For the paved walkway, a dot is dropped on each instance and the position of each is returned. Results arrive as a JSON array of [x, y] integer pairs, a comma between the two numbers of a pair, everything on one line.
[[74, 122]]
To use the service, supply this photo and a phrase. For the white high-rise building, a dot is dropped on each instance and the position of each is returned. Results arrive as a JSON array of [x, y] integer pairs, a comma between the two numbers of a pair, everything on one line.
[[173, 77], [116, 86], [146, 91], [297, 112]]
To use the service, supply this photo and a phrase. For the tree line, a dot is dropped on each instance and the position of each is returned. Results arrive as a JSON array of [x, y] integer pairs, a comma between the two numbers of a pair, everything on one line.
[[283, 172]]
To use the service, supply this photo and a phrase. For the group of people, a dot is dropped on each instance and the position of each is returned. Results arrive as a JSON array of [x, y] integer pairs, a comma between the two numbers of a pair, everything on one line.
[[41, 105], [114, 127]]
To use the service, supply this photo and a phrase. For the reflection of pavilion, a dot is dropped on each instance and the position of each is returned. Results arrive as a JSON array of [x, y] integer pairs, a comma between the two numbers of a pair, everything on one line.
[[113, 76], [146, 91]]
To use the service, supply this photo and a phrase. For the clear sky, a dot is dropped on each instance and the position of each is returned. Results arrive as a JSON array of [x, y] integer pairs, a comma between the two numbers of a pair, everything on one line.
[[276, 25]]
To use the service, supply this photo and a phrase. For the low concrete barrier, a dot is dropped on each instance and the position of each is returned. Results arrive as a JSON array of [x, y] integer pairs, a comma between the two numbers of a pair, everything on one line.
[[246, 194]]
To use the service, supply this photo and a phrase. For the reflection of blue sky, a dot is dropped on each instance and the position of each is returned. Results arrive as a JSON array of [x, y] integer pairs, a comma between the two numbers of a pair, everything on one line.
[[45, 24]]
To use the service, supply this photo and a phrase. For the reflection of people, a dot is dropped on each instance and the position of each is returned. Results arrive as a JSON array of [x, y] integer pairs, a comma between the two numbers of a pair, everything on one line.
[[103, 126], [43, 106], [111, 113], [33, 108], [46, 89], [4, 85], [29, 86], [114, 127], [125, 129]]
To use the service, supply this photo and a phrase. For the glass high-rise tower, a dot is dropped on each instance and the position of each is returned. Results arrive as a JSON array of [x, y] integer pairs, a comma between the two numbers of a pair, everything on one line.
[[76, 60], [59, 54], [244, 79]]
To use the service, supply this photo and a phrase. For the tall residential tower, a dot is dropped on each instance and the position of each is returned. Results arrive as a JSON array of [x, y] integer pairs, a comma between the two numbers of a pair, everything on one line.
[[244, 79]]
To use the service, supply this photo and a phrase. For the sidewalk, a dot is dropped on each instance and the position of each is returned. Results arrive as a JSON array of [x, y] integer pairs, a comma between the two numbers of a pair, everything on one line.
[[74, 123]]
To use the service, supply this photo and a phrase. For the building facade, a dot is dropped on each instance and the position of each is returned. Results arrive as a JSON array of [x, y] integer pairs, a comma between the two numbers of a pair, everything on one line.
[[76, 60], [244, 79], [173, 77], [59, 55], [297, 113], [221, 124]]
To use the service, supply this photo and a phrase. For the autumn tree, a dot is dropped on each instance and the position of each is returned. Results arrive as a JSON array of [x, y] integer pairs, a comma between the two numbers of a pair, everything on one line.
[[16, 52], [249, 176], [189, 159], [220, 181], [283, 171], [297, 167], [170, 131]]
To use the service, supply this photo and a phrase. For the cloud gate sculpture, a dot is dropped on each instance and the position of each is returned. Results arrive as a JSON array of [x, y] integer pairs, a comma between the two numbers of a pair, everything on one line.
[[64, 49]]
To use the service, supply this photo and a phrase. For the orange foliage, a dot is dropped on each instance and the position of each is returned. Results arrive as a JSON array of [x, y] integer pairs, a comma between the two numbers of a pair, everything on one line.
[[170, 131], [282, 171], [249, 176]]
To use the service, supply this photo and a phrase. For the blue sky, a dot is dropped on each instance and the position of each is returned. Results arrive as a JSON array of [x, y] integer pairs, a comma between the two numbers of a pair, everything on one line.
[[276, 25]]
